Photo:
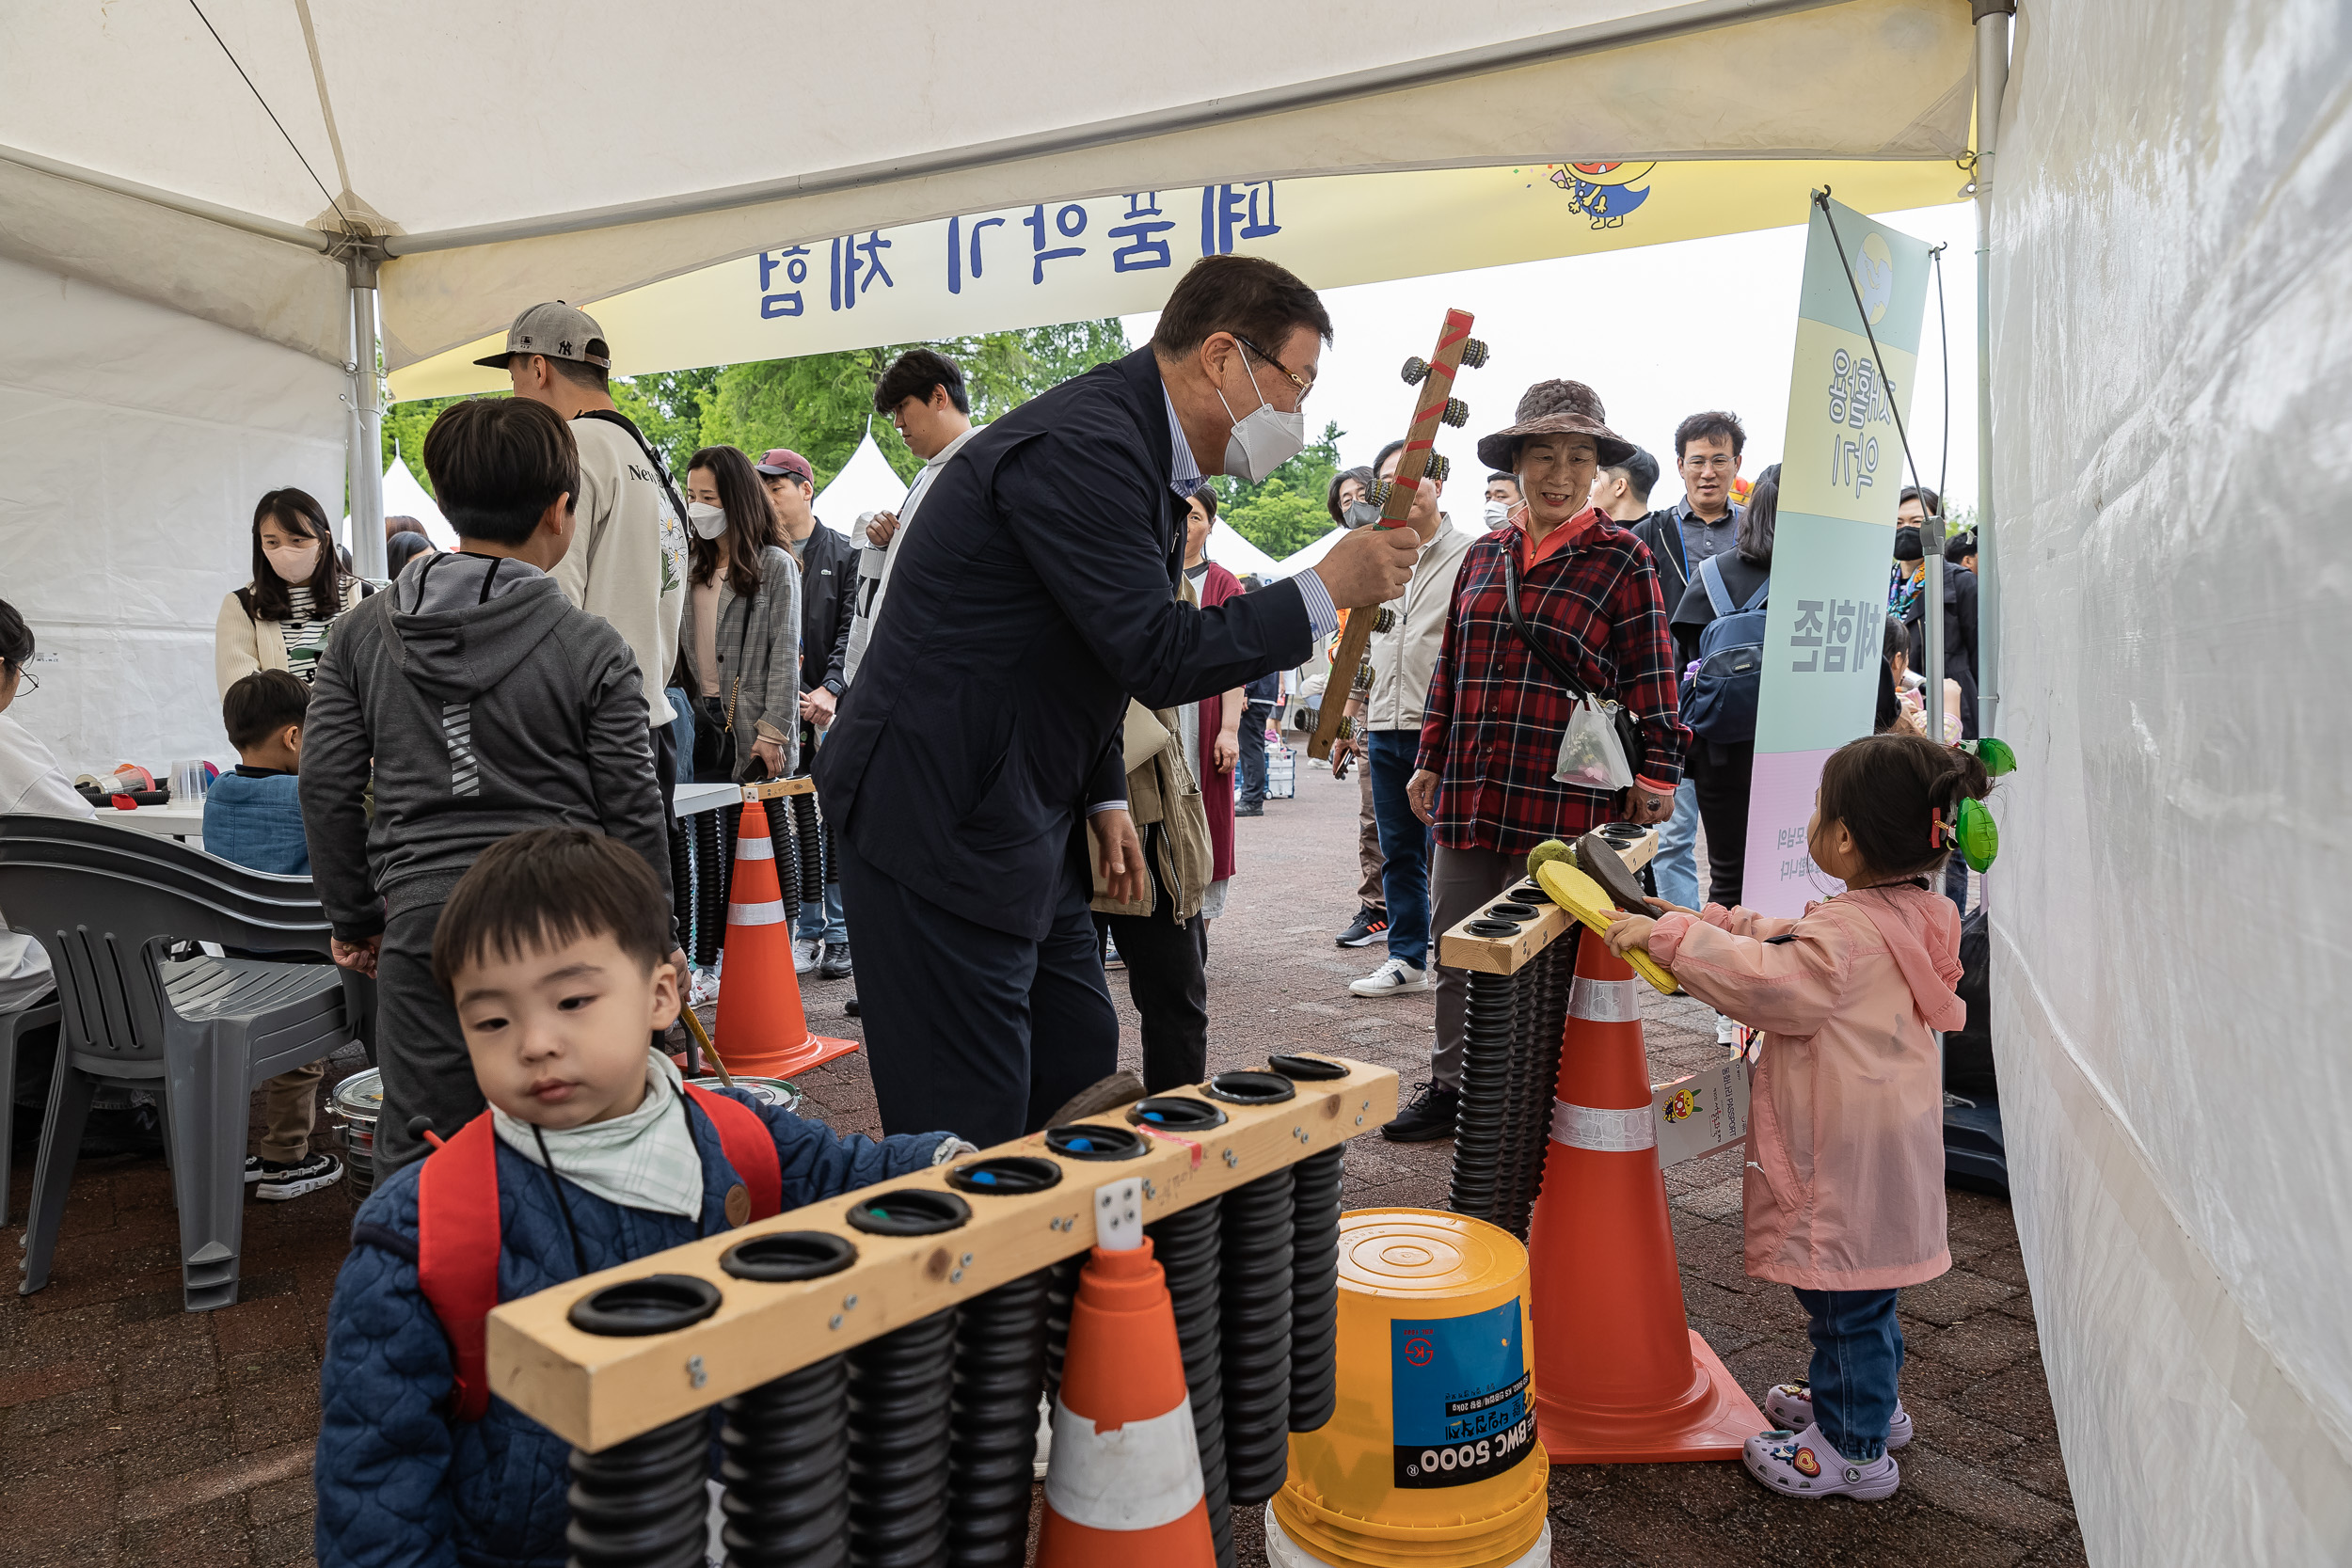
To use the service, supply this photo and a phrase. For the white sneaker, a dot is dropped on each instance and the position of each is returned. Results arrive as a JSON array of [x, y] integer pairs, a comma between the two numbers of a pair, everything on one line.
[[807, 951], [1726, 1030], [1391, 977], [703, 989]]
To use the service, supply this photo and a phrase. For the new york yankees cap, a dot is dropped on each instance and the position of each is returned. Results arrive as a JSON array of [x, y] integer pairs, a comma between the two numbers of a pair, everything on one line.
[[556, 330]]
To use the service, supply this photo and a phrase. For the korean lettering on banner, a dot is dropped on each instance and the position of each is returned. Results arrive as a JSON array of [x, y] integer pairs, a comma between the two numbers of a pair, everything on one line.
[[1857, 399], [1229, 213], [1833, 635], [1057, 235]]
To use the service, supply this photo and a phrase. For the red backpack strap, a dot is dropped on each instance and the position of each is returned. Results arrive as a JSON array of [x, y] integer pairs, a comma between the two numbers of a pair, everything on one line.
[[457, 1253], [750, 1148]]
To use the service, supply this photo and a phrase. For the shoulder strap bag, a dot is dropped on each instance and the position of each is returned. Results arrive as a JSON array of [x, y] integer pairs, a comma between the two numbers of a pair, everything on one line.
[[1629, 734]]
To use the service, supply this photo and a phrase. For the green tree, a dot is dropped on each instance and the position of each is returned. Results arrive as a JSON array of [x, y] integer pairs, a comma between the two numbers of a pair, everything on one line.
[[819, 404], [1284, 513]]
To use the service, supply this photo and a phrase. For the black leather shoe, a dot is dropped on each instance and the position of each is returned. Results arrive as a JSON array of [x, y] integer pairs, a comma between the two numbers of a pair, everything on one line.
[[1427, 1119]]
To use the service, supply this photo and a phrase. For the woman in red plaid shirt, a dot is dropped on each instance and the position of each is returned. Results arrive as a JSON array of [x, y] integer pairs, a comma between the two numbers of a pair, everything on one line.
[[1491, 739]]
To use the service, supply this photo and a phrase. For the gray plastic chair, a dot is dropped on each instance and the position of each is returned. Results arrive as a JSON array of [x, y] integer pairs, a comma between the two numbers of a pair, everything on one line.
[[13, 1027], [109, 904]]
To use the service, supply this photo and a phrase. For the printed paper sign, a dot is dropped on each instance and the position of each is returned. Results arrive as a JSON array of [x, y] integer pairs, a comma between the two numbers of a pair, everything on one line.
[[1701, 1113]]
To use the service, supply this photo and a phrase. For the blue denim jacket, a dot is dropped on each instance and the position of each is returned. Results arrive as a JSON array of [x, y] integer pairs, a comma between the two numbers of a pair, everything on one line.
[[256, 821]]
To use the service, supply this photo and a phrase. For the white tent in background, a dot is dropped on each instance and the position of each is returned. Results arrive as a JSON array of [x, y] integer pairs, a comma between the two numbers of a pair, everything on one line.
[[867, 483], [1299, 560], [403, 497], [1238, 556]]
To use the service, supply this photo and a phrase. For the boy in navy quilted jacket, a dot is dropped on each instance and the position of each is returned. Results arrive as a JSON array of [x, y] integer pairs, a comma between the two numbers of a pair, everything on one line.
[[553, 949]]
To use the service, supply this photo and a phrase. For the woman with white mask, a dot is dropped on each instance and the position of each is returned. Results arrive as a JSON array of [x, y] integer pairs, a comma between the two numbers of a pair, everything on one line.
[[282, 619], [740, 641]]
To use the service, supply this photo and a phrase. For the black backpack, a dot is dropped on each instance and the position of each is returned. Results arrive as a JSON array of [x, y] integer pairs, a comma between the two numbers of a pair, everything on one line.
[[1719, 698]]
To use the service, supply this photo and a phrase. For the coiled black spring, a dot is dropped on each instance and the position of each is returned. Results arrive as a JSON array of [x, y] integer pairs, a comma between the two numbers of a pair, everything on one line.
[[1546, 1004], [1486, 1068], [898, 1436], [1257, 1259], [730, 828], [1000, 1369], [710, 900], [1187, 1245], [641, 1504], [1510, 1128], [682, 878], [805, 829], [832, 856], [786, 1470], [788, 845], [1062, 1288], [1316, 1288]]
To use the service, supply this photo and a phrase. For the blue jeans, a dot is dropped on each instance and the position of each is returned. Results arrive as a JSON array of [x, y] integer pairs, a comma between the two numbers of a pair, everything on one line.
[[1252, 740], [682, 729], [1677, 866], [823, 920], [1858, 1355], [1404, 843]]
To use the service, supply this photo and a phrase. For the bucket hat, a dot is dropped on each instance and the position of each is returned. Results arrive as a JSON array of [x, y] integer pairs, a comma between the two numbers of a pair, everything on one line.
[[1555, 408]]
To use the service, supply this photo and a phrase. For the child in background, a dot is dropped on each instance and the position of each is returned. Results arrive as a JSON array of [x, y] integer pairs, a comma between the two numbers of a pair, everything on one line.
[[253, 818], [1844, 1191], [481, 703], [554, 950]]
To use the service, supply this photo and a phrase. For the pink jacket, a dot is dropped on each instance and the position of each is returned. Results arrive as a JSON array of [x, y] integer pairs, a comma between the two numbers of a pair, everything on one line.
[[1845, 1177]]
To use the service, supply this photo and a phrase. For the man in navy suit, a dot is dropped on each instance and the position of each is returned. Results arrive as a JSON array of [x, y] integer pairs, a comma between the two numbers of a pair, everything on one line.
[[1038, 597]]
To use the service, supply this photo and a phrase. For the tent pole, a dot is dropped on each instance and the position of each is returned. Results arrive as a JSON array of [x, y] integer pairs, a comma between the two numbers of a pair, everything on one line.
[[1991, 17], [364, 461]]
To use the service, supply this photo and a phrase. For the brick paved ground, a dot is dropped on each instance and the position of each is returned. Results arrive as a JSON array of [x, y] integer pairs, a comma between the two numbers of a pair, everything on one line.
[[133, 1433]]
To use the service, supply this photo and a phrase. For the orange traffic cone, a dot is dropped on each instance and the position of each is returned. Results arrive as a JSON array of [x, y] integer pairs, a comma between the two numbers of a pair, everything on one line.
[[1620, 1376], [1124, 1485], [763, 1030]]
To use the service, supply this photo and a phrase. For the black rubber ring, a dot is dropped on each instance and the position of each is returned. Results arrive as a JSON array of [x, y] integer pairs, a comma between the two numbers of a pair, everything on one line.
[[1492, 929], [658, 1304], [1308, 1070], [788, 1256], [910, 1212], [1176, 1114], [1004, 1175], [1507, 909], [1250, 1088], [1094, 1140]]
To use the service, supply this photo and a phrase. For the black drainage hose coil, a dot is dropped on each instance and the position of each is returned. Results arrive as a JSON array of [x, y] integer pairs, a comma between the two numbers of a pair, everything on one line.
[[1485, 1068], [991, 1454], [1188, 1245], [1258, 1258], [900, 1385]]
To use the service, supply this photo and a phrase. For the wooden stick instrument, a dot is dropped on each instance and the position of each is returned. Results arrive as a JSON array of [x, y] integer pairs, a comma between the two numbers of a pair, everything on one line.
[[1437, 405]]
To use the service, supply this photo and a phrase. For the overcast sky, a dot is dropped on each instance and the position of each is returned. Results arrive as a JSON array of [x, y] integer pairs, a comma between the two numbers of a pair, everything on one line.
[[1660, 332]]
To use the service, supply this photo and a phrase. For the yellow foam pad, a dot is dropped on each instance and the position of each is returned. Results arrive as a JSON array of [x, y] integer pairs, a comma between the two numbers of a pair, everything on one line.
[[1584, 899]]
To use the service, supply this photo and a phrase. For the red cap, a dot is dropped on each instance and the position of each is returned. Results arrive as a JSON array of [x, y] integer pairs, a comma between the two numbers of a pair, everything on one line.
[[784, 460]]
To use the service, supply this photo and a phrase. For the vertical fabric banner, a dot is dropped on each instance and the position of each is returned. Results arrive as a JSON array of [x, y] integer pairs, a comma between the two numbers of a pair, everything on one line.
[[1841, 472]]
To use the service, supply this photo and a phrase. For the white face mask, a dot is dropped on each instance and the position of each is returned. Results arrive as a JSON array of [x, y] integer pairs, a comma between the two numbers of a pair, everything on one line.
[[707, 522], [1497, 514], [292, 562], [1264, 440]]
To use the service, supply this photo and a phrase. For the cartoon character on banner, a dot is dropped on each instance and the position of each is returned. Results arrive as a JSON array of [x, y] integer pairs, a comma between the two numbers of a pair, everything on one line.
[[1602, 192]]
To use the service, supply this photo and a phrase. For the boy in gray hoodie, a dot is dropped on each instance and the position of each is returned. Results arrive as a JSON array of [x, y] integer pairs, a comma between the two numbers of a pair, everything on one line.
[[481, 703]]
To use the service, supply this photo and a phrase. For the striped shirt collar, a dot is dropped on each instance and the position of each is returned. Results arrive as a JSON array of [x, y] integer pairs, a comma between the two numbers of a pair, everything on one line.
[[1183, 473]]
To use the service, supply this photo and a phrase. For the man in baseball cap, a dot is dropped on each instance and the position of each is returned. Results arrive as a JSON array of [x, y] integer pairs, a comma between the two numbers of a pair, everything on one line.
[[778, 461], [629, 560], [556, 330]]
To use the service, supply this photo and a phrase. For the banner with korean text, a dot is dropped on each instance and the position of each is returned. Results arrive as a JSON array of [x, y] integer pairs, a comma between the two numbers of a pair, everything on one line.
[[1059, 260], [1841, 472]]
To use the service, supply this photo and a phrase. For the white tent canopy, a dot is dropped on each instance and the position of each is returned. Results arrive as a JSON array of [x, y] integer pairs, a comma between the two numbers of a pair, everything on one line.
[[867, 483], [403, 497], [1238, 556]]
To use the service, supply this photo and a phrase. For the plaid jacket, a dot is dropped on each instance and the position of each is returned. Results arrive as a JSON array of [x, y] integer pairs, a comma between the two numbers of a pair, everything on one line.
[[1496, 715]]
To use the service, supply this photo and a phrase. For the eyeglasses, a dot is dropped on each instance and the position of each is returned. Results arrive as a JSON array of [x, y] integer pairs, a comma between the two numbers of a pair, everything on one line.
[[29, 681], [1305, 386], [1707, 465]]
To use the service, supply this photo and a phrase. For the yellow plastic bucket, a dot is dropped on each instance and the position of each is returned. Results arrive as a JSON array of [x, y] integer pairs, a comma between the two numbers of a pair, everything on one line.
[[1431, 1458]]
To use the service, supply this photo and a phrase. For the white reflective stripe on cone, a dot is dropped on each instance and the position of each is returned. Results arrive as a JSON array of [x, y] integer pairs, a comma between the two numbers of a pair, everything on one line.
[[1141, 1476], [1604, 1130], [769, 914], [1603, 1000], [761, 848]]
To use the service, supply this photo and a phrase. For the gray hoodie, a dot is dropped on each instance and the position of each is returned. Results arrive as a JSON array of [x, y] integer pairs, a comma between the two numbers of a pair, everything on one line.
[[489, 705]]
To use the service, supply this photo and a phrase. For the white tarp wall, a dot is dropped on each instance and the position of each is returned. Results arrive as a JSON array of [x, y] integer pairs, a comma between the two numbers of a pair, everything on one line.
[[137, 441], [2172, 351]]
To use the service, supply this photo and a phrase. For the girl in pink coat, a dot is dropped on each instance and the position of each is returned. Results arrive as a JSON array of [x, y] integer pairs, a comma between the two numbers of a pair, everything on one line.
[[1845, 1176]]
